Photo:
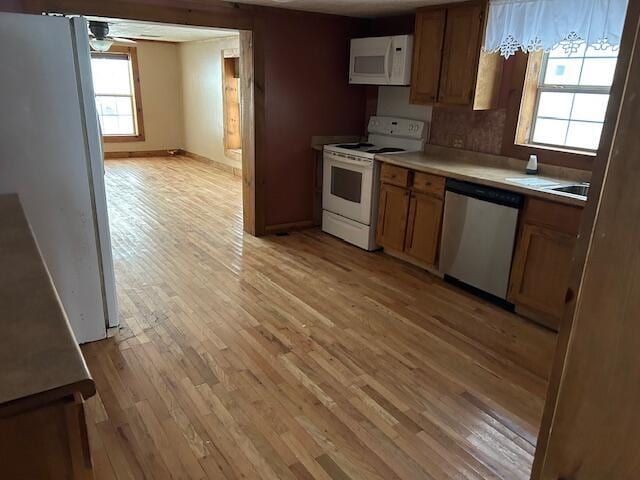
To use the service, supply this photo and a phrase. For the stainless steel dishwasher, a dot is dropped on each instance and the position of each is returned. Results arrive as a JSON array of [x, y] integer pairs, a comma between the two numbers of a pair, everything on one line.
[[478, 236]]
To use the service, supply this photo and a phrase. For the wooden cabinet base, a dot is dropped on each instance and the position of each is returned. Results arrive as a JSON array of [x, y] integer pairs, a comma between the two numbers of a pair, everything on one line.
[[49, 442], [540, 318], [393, 208], [413, 261], [542, 261]]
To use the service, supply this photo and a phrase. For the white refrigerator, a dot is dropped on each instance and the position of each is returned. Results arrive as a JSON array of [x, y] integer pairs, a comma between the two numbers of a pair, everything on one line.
[[51, 155]]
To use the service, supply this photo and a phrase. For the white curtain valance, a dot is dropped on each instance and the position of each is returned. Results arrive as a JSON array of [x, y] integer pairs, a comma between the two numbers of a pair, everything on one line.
[[531, 25]]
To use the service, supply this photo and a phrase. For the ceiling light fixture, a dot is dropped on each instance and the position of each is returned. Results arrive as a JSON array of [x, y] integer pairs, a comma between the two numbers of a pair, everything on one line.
[[100, 45]]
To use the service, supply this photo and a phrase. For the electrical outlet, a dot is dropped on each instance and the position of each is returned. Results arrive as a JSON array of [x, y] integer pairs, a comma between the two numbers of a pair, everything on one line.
[[457, 141]]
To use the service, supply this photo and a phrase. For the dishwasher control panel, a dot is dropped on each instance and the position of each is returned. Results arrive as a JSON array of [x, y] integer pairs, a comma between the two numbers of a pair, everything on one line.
[[488, 194]]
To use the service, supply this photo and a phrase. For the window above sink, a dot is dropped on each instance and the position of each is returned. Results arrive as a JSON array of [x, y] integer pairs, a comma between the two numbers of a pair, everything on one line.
[[565, 98]]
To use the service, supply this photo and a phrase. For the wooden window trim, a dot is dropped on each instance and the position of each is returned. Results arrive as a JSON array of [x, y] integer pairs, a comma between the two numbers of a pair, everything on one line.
[[520, 79], [536, 63], [132, 55]]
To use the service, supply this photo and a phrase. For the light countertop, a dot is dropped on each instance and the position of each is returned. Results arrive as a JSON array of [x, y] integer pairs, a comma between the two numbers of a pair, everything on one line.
[[40, 360], [493, 171]]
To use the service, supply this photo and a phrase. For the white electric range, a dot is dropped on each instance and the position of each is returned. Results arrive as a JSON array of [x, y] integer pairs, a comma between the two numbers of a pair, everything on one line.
[[351, 178]]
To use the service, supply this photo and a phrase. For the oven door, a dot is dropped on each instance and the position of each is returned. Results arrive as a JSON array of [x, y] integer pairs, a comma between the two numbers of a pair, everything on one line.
[[347, 187], [370, 61]]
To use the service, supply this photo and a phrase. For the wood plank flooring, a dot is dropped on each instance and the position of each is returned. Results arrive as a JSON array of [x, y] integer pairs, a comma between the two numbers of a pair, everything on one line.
[[295, 357]]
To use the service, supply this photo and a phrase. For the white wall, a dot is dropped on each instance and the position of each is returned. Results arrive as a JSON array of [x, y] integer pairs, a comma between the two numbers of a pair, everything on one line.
[[161, 90], [394, 101], [202, 97]]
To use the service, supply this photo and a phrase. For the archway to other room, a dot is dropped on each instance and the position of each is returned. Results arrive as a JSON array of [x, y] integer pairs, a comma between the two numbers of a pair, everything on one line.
[[166, 90]]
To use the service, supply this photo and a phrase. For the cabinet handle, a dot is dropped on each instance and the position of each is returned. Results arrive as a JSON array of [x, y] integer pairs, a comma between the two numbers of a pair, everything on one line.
[[569, 296]]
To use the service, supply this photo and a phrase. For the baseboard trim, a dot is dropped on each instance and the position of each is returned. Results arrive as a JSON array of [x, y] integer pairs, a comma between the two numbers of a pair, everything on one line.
[[538, 317], [432, 269], [288, 227], [236, 172], [143, 153]]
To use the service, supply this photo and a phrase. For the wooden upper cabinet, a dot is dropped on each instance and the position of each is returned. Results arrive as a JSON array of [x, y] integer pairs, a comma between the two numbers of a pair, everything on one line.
[[448, 67], [423, 227], [392, 216], [461, 52], [427, 55]]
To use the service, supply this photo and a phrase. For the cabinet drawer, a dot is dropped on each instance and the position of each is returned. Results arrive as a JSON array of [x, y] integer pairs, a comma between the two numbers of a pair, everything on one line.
[[430, 184], [394, 175], [563, 218]]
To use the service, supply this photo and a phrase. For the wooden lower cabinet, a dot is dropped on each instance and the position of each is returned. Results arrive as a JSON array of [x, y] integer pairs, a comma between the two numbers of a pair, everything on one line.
[[47, 442], [542, 261], [423, 227], [410, 217], [392, 216], [410, 223]]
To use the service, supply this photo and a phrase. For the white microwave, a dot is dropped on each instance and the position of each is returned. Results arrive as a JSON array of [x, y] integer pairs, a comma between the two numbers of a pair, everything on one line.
[[381, 60]]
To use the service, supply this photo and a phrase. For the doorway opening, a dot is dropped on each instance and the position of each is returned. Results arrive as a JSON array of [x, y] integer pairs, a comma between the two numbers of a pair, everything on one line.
[[169, 100], [231, 104], [186, 79]]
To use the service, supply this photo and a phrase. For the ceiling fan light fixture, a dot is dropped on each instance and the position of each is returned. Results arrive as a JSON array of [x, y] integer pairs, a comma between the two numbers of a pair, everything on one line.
[[100, 45]]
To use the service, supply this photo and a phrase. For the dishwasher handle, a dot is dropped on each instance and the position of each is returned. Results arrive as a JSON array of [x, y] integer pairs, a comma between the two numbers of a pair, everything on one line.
[[487, 194]]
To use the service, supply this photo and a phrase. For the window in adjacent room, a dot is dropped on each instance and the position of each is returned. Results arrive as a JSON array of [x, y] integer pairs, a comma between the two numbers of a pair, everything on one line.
[[117, 91], [565, 98]]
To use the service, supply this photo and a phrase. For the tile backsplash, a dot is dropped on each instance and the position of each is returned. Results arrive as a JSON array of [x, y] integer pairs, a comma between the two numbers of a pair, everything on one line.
[[479, 131]]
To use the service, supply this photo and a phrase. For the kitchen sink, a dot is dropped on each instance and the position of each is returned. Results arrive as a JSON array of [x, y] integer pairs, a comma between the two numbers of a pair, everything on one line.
[[582, 190]]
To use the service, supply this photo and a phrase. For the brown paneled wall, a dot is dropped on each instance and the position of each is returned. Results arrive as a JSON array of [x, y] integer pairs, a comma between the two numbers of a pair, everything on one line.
[[396, 25], [306, 93]]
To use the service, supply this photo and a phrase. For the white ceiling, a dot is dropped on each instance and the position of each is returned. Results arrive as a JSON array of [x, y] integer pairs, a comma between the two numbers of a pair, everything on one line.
[[353, 8], [161, 32]]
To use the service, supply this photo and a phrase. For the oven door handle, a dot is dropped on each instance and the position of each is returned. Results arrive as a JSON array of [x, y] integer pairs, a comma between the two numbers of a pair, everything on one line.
[[340, 159]]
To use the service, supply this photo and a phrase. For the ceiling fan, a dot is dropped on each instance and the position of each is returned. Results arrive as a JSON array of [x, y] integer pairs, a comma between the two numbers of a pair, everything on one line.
[[99, 38]]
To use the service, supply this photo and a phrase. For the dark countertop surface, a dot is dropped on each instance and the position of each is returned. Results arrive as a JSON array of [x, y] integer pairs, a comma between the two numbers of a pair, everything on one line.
[[40, 360]]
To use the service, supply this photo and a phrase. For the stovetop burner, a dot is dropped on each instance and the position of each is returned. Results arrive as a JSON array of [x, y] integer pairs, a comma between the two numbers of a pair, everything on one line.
[[386, 150], [355, 146]]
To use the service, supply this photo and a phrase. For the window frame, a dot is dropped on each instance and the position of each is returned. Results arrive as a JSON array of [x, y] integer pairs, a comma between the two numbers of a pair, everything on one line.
[[138, 123], [533, 86]]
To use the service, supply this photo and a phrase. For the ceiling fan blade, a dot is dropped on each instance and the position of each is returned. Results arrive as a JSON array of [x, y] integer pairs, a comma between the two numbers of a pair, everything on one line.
[[122, 40]]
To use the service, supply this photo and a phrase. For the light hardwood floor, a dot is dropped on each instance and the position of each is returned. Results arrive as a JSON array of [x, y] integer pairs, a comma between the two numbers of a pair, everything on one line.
[[295, 357]]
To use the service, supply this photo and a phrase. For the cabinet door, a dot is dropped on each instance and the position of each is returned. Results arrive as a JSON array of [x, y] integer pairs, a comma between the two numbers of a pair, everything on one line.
[[392, 216], [460, 55], [427, 55], [540, 272], [423, 227]]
